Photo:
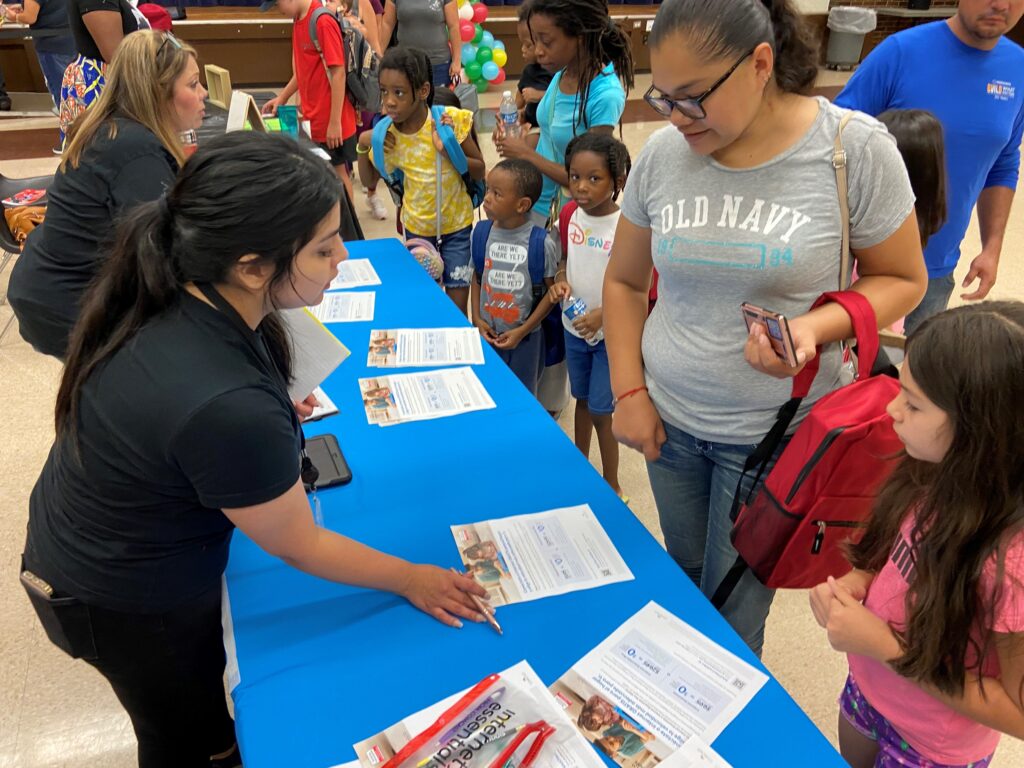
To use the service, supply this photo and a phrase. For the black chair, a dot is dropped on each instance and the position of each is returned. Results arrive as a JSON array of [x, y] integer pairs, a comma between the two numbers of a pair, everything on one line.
[[9, 246]]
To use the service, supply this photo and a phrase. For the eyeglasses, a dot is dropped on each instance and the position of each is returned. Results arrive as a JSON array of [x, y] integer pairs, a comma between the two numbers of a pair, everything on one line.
[[168, 38], [691, 108]]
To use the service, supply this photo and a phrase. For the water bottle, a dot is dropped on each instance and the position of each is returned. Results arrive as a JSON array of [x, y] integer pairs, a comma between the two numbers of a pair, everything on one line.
[[508, 113], [577, 307]]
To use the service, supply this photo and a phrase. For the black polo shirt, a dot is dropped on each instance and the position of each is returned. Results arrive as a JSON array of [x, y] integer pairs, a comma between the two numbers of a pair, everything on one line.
[[182, 421], [63, 254], [83, 39]]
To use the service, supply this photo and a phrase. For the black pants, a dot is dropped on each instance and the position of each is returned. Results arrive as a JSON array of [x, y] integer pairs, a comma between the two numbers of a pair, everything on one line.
[[166, 669]]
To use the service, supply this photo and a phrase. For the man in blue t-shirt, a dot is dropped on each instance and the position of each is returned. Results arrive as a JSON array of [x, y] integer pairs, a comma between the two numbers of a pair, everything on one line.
[[972, 78]]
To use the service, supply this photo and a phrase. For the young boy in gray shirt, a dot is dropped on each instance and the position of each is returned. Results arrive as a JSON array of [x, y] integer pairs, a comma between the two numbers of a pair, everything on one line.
[[508, 306]]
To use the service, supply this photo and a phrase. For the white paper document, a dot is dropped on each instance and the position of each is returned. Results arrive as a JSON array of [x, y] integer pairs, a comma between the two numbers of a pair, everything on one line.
[[326, 407], [653, 685], [355, 273], [566, 749], [345, 307], [422, 347], [401, 397], [316, 352], [695, 754], [527, 557]]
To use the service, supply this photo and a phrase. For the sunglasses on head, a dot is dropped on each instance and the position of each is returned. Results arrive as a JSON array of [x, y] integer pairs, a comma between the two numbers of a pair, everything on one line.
[[691, 108], [168, 38]]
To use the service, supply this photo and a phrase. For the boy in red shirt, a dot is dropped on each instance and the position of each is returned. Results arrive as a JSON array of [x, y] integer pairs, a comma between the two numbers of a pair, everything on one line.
[[332, 118]]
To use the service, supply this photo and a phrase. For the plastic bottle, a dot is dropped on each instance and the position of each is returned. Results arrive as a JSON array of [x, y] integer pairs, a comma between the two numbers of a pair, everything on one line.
[[508, 113]]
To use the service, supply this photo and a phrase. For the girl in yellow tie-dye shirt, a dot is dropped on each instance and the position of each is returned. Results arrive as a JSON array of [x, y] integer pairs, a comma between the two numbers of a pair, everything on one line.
[[412, 145]]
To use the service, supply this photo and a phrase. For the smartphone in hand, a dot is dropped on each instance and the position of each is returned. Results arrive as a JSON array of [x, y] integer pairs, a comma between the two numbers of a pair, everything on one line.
[[778, 330]]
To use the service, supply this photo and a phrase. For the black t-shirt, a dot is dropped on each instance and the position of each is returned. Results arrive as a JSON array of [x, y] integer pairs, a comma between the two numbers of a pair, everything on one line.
[[53, 14], [533, 76], [184, 420], [63, 254], [83, 39]]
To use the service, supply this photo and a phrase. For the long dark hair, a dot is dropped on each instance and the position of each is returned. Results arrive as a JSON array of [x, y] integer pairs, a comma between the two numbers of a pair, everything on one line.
[[614, 152], [918, 135], [241, 193], [968, 362], [414, 64], [599, 41], [728, 28]]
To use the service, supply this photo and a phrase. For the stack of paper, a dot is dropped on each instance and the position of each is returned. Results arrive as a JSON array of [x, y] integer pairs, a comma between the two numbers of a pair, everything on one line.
[[326, 407], [355, 273], [316, 352], [422, 347], [418, 396], [345, 307]]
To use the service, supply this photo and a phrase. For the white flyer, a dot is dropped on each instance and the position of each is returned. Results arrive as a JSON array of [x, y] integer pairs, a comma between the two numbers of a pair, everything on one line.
[[652, 686], [355, 273], [422, 347], [567, 749], [401, 397], [528, 557], [345, 307], [695, 754], [326, 407]]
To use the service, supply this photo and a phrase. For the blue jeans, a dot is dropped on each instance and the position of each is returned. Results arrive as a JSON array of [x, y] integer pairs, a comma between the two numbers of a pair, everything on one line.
[[694, 483], [53, 66], [936, 297], [441, 74], [527, 359]]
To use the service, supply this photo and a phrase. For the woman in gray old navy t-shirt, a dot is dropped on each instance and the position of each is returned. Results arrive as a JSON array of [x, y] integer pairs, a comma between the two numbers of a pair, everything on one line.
[[736, 201]]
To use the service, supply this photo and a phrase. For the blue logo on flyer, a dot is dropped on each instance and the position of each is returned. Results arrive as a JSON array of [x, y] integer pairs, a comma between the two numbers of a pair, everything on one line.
[[1001, 90]]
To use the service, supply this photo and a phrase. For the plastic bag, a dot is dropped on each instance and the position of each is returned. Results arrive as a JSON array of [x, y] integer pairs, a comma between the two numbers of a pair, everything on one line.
[[846, 18]]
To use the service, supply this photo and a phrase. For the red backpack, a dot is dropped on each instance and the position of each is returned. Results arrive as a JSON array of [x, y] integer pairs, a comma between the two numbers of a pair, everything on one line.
[[823, 487]]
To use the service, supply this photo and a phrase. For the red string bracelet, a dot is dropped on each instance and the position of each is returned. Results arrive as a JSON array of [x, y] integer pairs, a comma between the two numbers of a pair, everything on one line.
[[630, 393]]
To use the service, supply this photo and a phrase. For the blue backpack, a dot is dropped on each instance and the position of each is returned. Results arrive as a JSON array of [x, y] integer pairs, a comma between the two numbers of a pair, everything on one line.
[[396, 181], [554, 335]]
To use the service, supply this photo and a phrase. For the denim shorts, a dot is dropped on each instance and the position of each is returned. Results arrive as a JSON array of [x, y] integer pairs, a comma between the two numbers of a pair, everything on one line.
[[893, 750], [456, 256], [589, 379]]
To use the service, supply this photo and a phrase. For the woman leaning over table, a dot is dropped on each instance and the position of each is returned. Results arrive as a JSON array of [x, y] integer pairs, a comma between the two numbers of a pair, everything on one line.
[[174, 426], [736, 201], [125, 150]]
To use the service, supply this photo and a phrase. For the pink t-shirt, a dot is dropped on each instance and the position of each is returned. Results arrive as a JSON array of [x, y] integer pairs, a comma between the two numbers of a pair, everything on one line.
[[929, 726]]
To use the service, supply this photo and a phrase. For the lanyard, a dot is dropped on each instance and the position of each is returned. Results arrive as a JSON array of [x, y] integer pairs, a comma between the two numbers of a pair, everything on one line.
[[308, 472]]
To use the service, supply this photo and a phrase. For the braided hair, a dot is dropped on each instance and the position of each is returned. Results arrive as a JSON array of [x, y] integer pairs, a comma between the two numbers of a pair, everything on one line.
[[603, 145], [414, 64], [599, 40]]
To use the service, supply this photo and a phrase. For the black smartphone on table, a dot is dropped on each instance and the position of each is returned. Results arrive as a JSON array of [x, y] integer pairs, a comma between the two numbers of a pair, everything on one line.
[[326, 455]]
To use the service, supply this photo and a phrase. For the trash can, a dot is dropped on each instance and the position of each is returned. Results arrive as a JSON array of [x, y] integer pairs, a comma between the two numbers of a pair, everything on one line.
[[847, 27]]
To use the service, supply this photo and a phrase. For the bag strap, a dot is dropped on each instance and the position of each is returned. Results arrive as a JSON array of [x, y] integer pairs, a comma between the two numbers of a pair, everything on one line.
[[478, 244], [536, 255], [865, 329], [564, 217], [451, 145], [380, 131], [842, 188], [318, 13], [438, 197]]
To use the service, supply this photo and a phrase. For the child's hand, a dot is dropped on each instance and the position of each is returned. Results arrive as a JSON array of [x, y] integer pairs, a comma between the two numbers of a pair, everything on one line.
[[334, 135], [559, 292], [270, 108], [852, 628], [856, 582], [509, 340], [590, 323], [485, 330]]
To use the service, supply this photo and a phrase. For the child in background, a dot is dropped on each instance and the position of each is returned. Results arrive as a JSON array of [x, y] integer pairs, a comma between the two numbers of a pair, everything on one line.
[[412, 145], [932, 615], [597, 165], [508, 316], [331, 116], [534, 81]]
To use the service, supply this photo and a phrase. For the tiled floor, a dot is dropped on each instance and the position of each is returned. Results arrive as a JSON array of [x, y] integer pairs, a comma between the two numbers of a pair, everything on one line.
[[56, 712]]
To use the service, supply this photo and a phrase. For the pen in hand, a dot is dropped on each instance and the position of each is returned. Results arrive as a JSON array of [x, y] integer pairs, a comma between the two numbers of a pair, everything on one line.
[[485, 609]]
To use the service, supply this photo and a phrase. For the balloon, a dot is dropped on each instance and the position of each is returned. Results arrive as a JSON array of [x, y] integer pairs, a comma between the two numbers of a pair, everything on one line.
[[484, 55], [479, 13], [487, 40], [467, 32], [466, 12], [468, 53], [500, 78], [499, 44], [490, 70], [474, 70], [477, 34], [481, 86], [498, 56]]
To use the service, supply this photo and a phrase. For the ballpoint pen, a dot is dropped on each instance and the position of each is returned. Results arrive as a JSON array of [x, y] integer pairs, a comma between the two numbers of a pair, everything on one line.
[[485, 609]]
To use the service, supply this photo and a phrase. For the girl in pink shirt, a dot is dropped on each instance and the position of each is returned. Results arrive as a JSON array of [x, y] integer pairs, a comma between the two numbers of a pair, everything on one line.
[[932, 614]]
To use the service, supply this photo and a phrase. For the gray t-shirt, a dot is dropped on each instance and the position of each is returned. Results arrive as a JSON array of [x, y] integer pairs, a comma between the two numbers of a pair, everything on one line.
[[421, 25], [770, 235], [506, 291]]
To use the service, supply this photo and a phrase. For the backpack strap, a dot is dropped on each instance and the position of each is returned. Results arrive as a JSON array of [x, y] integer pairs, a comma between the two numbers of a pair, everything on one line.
[[452, 148], [478, 245], [536, 255], [564, 217], [318, 13], [380, 131], [865, 329], [842, 188]]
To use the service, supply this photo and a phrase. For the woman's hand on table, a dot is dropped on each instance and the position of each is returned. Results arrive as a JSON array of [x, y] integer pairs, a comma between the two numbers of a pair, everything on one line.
[[636, 424], [760, 355], [306, 407], [443, 594]]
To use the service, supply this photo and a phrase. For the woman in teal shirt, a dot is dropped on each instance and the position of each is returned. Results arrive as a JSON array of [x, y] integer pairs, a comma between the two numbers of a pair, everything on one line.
[[593, 65]]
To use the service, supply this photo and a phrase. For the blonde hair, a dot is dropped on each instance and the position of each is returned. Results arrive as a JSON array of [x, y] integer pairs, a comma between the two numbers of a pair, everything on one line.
[[140, 86]]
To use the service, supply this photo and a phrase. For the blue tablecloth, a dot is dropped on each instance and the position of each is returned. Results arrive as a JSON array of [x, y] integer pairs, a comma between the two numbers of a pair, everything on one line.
[[323, 665]]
